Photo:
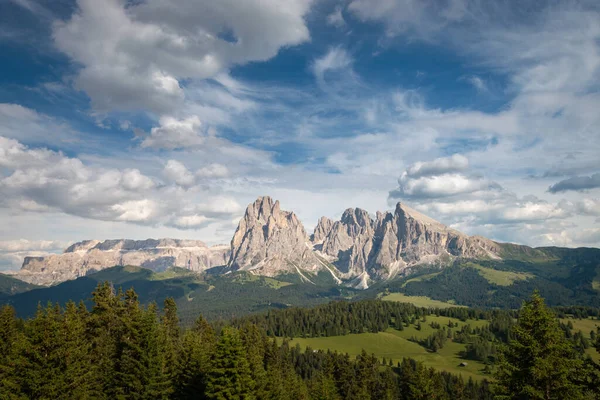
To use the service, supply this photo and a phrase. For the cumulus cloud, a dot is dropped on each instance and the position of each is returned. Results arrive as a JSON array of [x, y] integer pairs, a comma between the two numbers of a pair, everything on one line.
[[589, 207], [175, 133], [577, 183], [440, 178], [439, 166], [178, 173], [134, 55], [42, 180]]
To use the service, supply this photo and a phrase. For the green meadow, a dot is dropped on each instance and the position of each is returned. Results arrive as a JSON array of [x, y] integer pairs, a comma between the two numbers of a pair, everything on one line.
[[395, 345]]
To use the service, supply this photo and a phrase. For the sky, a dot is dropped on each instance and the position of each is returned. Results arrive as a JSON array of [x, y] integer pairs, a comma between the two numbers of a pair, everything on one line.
[[164, 118]]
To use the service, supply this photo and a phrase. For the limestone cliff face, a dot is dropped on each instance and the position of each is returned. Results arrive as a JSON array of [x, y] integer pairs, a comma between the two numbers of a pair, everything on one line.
[[92, 255], [349, 242], [270, 241], [377, 249]]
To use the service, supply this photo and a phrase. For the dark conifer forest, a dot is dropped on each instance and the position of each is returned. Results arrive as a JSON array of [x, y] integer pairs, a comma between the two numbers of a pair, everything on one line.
[[120, 349]]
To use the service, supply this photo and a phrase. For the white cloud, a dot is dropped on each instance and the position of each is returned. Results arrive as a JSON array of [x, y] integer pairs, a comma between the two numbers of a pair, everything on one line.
[[440, 178], [439, 186], [175, 134], [589, 207], [439, 166], [477, 83], [44, 181], [213, 171], [134, 55], [135, 210], [31, 245], [12, 252], [21, 123], [190, 221], [177, 173], [336, 18], [335, 59]]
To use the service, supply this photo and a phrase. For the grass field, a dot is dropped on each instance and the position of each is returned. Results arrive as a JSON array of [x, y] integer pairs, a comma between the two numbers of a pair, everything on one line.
[[596, 281], [419, 301], [421, 278], [500, 278], [270, 282], [394, 344], [585, 326]]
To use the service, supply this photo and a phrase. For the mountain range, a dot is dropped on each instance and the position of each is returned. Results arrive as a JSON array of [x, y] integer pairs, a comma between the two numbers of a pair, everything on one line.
[[272, 261], [356, 251]]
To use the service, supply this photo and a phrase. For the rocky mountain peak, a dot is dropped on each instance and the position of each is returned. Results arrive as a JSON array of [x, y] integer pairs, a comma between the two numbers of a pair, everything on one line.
[[356, 217], [271, 241], [393, 242], [322, 230]]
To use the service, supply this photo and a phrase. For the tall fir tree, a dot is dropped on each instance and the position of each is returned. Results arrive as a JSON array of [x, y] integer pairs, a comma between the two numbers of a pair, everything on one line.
[[229, 377], [539, 362], [10, 343]]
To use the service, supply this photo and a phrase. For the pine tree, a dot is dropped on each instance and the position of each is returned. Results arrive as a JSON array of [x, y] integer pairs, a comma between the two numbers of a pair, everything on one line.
[[197, 348], [539, 362], [170, 344], [79, 373], [10, 340], [229, 377], [105, 327]]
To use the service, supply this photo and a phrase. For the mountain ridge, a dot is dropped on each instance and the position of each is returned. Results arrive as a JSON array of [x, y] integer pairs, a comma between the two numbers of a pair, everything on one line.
[[357, 250]]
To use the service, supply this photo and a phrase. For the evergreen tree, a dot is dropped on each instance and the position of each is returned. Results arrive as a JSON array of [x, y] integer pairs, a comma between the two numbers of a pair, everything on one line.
[[229, 377], [197, 348], [539, 362], [170, 344], [10, 340], [322, 387]]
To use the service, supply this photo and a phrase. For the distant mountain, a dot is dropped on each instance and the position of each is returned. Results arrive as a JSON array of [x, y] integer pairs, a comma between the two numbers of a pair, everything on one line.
[[91, 256]]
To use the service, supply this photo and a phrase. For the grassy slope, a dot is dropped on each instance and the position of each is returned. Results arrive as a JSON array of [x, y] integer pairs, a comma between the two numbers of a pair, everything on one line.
[[395, 345], [596, 281], [585, 326], [501, 278], [419, 301], [10, 286]]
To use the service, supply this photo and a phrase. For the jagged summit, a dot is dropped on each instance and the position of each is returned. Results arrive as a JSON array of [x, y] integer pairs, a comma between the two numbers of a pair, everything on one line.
[[270, 241], [414, 214]]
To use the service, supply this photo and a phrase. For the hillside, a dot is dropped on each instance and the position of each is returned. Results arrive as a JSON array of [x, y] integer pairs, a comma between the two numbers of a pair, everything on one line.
[[214, 296], [10, 286], [563, 277]]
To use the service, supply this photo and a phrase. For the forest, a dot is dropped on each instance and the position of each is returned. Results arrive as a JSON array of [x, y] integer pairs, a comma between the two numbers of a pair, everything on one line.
[[120, 349]]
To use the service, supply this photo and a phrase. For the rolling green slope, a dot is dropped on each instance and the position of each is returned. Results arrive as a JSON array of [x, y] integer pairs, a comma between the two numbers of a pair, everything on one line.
[[563, 276]]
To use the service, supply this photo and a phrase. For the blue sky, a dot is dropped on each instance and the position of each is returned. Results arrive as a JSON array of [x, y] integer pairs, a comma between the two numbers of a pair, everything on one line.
[[161, 118]]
